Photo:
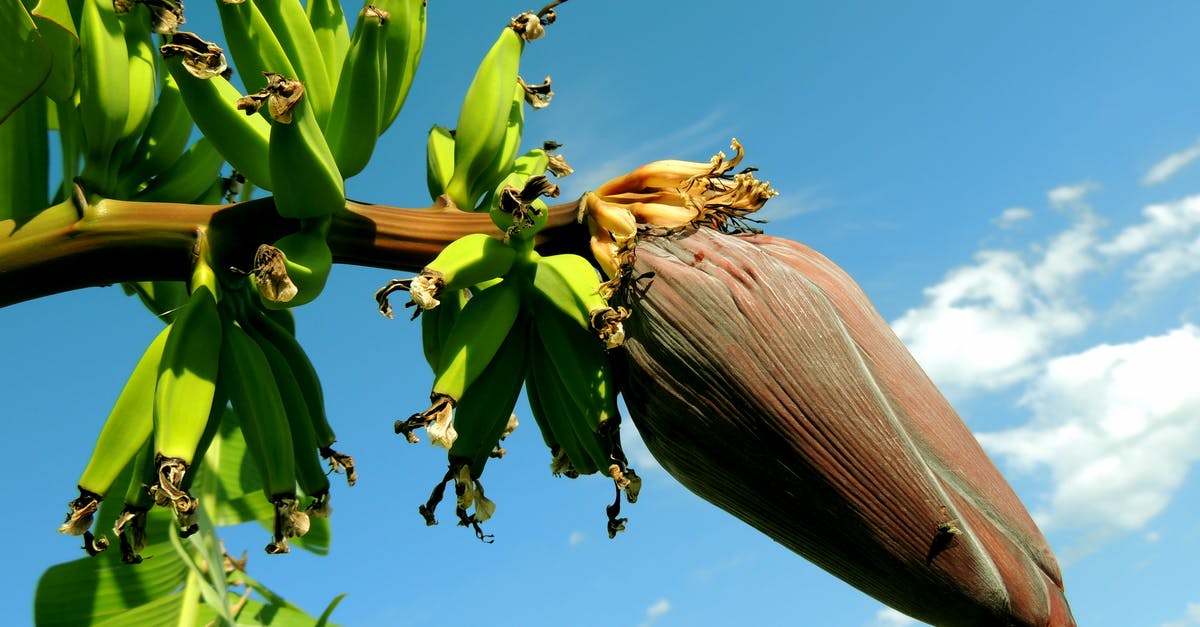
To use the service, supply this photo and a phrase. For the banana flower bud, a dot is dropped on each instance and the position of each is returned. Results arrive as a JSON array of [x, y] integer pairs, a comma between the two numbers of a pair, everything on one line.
[[762, 378]]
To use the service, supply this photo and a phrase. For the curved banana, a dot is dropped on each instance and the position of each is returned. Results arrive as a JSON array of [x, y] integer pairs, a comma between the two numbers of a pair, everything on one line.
[[478, 332], [571, 285], [241, 139], [483, 414], [247, 375], [437, 322], [502, 162], [128, 426], [293, 271], [284, 340], [289, 23], [255, 48], [130, 525], [405, 41], [103, 80], [354, 120], [329, 26], [300, 156], [142, 73], [192, 174], [439, 160], [165, 137], [309, 472], [186, 387], [465, 262], [484, 117]]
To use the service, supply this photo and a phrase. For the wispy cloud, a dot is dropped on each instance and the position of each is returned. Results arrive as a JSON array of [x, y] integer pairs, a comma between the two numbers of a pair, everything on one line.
[[576, 538], [1069, 196], [1190, 619], [1171, 164], [789, 204], [1012, 217], [657, 610]]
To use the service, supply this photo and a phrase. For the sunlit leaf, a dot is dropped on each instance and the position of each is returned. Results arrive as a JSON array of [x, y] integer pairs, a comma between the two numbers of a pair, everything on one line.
[[25, 58]]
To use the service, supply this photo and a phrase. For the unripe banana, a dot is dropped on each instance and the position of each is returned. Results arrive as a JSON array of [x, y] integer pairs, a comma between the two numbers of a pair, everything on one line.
[[255, 48], [130, 525], [482, 415], [478, 332], [193, 173], [439, 160], [300, 156], [501, 164], [103, 79], [309, 472], [518, 210], [577, 449], [128, 426], [162, 298], [247, 376], [141, 77], [187, 385], [571, 285], [354, 120], [329, 26], [293, 271], [483, 120], [437, 322], [283, 338], [241, 139], [290, 24], [165, 138], [465, 262], [406, 39]]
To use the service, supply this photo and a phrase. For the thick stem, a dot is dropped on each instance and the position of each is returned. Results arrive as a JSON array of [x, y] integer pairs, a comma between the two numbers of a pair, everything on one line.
[[81, 243]]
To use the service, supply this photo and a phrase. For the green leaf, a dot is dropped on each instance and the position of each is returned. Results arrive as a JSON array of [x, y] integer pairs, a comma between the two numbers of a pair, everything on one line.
[[25, 58], [90, 590]]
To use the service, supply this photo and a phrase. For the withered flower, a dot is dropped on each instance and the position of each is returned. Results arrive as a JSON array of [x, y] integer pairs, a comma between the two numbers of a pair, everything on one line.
[[761, 377], [201, 59]]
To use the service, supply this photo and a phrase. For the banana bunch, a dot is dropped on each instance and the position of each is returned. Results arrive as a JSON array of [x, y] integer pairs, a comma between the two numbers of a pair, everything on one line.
[[497, 317], [219, 348], [465, 166]]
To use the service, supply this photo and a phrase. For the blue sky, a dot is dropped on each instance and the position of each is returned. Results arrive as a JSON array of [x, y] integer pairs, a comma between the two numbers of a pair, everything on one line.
[[1015, 187]]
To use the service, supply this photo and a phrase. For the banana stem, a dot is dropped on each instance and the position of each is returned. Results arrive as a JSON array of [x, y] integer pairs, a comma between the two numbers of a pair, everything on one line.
[[91, 242]]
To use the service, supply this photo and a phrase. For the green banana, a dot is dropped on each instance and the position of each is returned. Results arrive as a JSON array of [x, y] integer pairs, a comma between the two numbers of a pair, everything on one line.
[[576, 454], [300, 156], [328, 23], [187, 387], [103, 79], [571, 285], [255, 48], [24, 160], [542, 405], [241, 139], [142, 73], [502, 162], [476, 336], [165, 137], [310, 474], [247, 375], [266, 322], [162, 298], [290, 24], [439, 160], [129, 424], [483, 414], [437, 322], [406, 40], [293, 271], [189, 177], [465, 262], [353, 125], [484, 116]]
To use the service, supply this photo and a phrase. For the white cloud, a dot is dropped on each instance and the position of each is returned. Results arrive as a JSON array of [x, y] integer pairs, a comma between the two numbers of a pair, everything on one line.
[[1067, 196], [1115, 425], [1011, 217], [1191, 619], [657, 610], [888, 617], [1167, 240], [989, 324], [575, 538], [1171, 164]]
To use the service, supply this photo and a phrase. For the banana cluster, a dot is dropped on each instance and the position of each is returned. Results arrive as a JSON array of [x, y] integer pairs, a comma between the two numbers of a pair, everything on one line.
[[468, 167], [496, 318], [220, 347]]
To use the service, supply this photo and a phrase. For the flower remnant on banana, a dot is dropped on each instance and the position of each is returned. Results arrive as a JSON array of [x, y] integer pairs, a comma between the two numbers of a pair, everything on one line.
[[751, 356]]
